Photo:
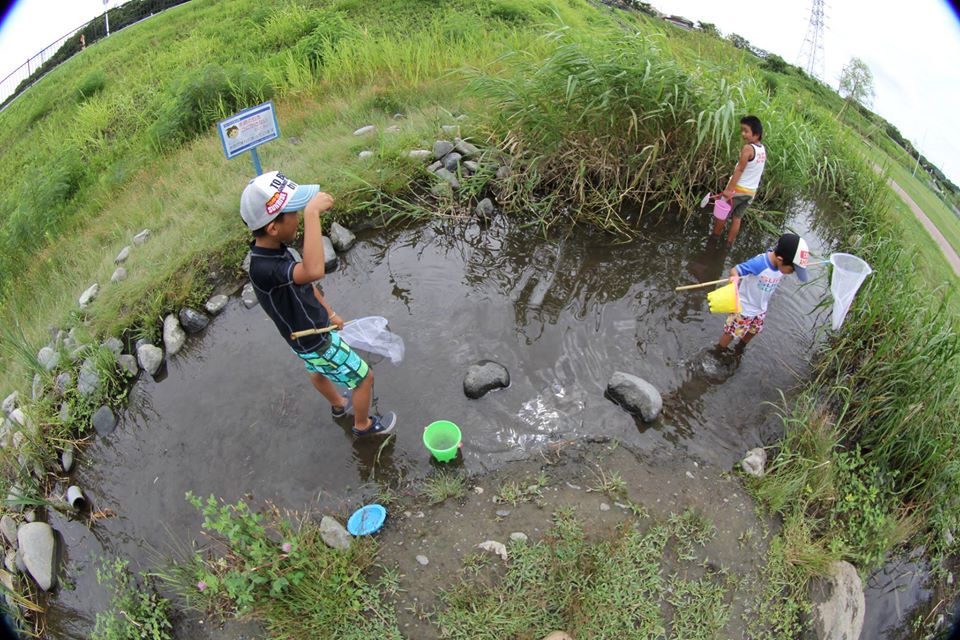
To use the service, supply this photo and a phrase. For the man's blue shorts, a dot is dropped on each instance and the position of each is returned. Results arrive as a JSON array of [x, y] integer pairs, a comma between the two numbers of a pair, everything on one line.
[[337, 362]]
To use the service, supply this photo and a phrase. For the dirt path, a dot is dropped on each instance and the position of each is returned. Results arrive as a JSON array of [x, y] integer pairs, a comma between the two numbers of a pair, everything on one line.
[[931, 228]]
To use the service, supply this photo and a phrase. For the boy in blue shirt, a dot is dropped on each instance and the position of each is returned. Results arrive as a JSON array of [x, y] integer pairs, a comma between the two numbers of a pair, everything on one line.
[[758, 278], [284, 287]]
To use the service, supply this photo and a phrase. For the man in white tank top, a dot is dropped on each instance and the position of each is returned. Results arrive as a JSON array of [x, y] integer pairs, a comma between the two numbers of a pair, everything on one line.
[[743, 184]]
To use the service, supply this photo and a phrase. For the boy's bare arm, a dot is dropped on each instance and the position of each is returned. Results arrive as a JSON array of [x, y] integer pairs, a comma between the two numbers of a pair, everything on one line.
[[313, 259], [738, 170]]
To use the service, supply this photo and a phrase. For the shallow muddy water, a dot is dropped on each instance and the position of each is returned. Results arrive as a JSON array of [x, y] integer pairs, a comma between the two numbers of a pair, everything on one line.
[[235, 415]]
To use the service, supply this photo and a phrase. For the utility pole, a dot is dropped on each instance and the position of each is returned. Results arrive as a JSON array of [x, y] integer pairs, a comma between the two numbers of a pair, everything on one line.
[[918, 154], [106, 15], [811, 56]]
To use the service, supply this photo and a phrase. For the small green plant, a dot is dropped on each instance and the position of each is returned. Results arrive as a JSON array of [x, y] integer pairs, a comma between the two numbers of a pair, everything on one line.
[[136, 612], [281, 572], [91, 84], [443, 485], [611, 483], [526, 490]]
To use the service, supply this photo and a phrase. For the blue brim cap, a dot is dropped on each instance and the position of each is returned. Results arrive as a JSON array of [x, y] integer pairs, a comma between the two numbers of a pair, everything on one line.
[[301, 196]]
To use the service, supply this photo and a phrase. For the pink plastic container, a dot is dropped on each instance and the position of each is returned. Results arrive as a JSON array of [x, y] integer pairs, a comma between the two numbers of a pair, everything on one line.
[[721, 209]]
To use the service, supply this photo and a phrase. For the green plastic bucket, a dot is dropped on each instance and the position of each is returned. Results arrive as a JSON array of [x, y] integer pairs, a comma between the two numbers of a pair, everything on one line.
[[442, 438]]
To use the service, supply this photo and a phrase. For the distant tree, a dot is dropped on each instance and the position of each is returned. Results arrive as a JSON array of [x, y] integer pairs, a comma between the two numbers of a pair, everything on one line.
[[710, 29], [856, 84], [739, 41], [775, 63]]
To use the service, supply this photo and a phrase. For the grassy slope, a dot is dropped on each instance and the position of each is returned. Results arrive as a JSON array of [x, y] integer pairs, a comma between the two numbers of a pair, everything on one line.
[[127, 187]]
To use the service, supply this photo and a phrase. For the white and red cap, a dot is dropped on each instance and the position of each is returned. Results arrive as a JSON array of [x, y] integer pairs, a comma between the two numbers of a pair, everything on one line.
[[795, 253], [270, 194]]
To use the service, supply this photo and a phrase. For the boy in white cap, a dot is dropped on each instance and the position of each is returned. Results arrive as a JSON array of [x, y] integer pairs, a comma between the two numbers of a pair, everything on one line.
[[269, 205], [758, 278]]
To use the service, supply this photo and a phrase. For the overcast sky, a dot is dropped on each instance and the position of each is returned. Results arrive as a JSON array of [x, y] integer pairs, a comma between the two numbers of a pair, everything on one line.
[[912, 48]]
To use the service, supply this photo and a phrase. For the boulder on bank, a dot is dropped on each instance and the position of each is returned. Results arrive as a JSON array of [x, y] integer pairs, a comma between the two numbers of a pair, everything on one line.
[[483, 377], [248, 296], [104, 421], [38, 550], [441, 148], [329, 256], [119, 275], [173, 335], [754, 462], [48, 358], [192, 321], [149, 357], [88, 296], [216, 304], [636, 395], [838, 603], [123, 255], [333, 534], [88, 381], [341, 237], [141, 237]]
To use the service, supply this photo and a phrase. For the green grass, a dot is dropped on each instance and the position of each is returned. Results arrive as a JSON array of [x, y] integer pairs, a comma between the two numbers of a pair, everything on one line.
[[276, 568], [443, 485], [630, 585]]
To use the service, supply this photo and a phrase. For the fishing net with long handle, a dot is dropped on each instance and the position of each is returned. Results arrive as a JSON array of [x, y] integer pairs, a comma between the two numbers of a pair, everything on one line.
[[371, 334], [849, 272]]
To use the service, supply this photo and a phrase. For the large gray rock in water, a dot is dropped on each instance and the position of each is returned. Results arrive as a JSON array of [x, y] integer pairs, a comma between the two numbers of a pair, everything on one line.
[[484, 376], [9, 529], [329, 256], [48, 358], [38, 550], [216, 304], [173, 335], [341, 237], [192, 321], [88, 381], [636, 395], [754, 462], [104, 421], [87, 296], [150, 358], [441, 148], [333, 533], [838, 603]]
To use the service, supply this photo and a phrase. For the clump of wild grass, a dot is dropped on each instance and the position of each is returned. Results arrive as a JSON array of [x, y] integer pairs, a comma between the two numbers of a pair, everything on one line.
[[443, 485], [276, 568], [525, 490], [612, 588]]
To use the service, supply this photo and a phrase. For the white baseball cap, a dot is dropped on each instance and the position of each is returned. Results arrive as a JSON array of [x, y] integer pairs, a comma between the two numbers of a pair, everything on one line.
[[270, 194]]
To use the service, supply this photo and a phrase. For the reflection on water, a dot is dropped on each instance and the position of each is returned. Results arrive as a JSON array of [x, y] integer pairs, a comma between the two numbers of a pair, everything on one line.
[[236, 416]]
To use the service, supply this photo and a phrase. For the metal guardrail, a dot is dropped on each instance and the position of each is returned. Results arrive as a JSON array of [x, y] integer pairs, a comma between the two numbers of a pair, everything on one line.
[[60, 50]]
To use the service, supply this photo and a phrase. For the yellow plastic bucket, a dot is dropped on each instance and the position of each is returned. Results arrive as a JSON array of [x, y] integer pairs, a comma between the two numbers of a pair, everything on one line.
[[726, 299]]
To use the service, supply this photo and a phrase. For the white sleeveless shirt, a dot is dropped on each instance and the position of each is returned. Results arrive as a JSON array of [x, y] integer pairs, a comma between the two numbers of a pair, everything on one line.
[[750, 178]]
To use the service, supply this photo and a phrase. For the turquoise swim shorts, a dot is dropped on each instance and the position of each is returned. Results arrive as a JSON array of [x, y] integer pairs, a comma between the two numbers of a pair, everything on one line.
[[337, 362]]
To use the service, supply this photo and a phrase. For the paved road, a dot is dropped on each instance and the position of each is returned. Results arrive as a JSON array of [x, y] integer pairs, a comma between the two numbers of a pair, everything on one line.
[[931, 228]]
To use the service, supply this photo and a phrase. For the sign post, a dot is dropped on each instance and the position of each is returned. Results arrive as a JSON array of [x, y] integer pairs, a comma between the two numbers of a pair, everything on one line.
[[247, 130]]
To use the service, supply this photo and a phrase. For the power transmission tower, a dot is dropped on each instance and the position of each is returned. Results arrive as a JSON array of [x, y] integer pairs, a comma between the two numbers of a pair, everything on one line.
[[811, 53]]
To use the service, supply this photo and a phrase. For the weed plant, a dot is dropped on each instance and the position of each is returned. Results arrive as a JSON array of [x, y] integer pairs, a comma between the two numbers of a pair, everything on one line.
[[443, 485], [136, 612], [281, 572], [611, 588]]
